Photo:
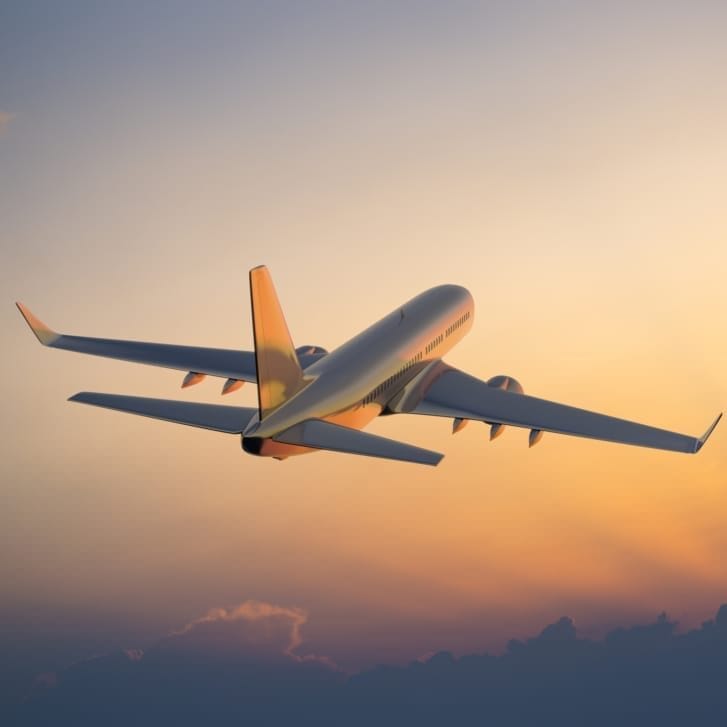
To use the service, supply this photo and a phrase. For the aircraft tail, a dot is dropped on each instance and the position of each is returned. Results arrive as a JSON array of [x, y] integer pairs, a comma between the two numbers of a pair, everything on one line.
[[279, 375]]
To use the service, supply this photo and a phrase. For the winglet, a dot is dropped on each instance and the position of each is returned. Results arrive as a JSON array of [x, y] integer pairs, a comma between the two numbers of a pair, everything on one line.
[[45, 335], [701, 441]]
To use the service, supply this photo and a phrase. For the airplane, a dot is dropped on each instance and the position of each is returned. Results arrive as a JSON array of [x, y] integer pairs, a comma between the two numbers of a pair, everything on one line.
[[310, 399]]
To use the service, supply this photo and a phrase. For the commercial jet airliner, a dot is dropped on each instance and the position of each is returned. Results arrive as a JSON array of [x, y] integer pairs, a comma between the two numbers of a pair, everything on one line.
[[310, 399]]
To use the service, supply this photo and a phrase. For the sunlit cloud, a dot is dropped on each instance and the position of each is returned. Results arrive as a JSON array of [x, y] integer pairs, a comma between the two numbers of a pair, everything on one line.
[[251, 628], [252, 633]]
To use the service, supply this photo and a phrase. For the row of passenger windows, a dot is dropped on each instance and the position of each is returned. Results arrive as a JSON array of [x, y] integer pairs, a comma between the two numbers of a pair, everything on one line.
[[385, 385], [450, 330], [369, 398], [431, 346], [459, 322]]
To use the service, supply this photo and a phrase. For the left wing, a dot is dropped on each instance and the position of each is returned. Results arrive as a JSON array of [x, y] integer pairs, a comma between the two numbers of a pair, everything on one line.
[[230, 364], [456, 394]]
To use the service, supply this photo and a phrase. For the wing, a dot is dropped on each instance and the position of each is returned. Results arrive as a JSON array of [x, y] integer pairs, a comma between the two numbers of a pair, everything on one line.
[[236, 365], [454, 393], [213, 361]]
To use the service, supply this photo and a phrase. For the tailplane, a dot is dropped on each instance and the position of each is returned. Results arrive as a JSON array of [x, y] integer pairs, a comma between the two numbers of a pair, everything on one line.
[[320, 434], [279, 375], [219, 418]]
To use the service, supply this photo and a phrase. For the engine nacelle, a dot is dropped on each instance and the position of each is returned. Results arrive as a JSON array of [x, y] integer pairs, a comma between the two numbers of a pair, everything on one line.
[[507, 383]]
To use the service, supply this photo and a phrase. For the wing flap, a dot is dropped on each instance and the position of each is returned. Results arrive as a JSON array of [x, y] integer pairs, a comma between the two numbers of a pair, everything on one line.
[[320, 434], [456, 394], [219, 418]]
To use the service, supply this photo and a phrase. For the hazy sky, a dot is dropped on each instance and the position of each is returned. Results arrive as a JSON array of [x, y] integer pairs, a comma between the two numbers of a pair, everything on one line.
[[564, 161]]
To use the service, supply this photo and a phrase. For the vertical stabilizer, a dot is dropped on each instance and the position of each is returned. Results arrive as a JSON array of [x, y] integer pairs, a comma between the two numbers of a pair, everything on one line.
[[279, 375]]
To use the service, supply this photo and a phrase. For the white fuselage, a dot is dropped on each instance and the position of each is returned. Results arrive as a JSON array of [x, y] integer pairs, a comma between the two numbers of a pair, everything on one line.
[[354, 383]]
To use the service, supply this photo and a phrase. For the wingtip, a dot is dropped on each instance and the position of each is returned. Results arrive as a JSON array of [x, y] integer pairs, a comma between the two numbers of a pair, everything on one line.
[[436, 459], [703, 439], [47, 336]]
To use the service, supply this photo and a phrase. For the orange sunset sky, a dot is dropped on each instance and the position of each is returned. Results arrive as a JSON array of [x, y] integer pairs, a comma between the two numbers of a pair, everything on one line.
[[564, 162]]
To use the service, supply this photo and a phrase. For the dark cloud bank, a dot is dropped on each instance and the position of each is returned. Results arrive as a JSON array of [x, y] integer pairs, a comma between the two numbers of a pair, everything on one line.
[[244, 666]]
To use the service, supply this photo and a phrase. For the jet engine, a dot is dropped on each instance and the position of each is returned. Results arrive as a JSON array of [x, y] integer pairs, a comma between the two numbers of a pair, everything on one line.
[[507, 383]]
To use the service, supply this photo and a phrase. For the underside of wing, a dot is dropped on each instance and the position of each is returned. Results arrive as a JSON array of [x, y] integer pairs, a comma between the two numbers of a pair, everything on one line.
[[456, 394], [227, 419], [230, 364]]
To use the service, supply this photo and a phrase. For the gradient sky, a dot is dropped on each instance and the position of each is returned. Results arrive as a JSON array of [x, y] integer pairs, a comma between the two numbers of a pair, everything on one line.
[[564, 161]]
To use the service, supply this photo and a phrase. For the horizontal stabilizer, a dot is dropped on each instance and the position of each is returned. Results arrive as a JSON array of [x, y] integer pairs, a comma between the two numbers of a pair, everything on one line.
[[228, 419], [320, 434]]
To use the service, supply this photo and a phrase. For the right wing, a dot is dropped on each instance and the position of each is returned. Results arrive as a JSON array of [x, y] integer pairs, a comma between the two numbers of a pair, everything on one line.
[[239, 365], [453, 393]]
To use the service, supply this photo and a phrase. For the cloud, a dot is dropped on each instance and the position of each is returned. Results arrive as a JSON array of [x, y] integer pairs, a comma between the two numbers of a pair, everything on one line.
[[5, 119], [254, 629], [241, 665], [252, 624]]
